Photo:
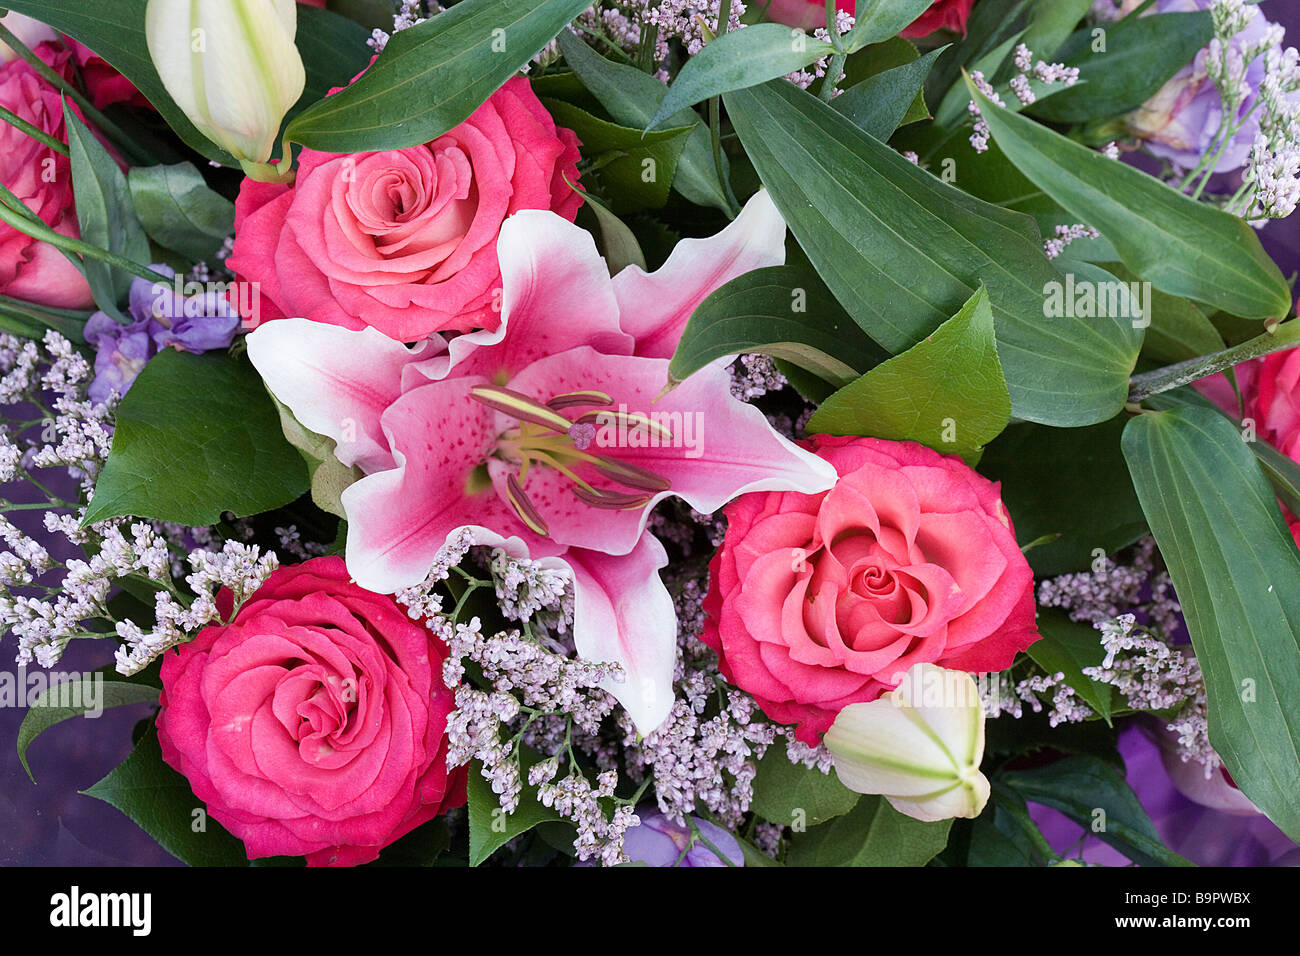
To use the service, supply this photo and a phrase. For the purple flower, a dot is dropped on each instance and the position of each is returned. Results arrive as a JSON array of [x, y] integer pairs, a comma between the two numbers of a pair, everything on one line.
[[160, 317], [658, 841], [1207, 820], [1180, 122]]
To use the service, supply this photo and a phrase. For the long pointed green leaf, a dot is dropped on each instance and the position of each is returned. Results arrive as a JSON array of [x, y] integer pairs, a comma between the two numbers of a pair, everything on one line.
[[432, 76], [631, 98], [1180, 246], [739, 59], [333, 50], [881, 103], [903, 251], [876, 20], [947, 391], [1236, 571], [782, 311], [105, 213]]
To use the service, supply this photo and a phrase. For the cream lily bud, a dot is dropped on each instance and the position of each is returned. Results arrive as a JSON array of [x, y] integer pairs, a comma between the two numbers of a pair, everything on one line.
[[231, 66], [919, 745]]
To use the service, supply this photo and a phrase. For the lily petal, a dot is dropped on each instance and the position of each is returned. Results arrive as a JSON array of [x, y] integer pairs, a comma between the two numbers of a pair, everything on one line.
[[555, 295], [399, 518], [623, 614], [337, 382], [720, 447], [654, 307]]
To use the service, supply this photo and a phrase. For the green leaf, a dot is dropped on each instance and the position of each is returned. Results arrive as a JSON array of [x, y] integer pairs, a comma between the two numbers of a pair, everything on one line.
[[1141, 54], [1067, 647], [162, 804], [1181, 246], [73, 698], [31, 320], [883, 102], [1078, 786], [179, 211], [104, 214], [902, 251], [782, 311], [432, 76], [1051, 22], [876, 20], [623, 156], [329, 476], [333, 50], [753, 855], [197, 435], [631, 97], [791, 794], [1006, 835], [490, 827], [739, 59], [618, 244], [1046, 473], [873, 834], [947, 391], [1282, 472], [1236, 571]]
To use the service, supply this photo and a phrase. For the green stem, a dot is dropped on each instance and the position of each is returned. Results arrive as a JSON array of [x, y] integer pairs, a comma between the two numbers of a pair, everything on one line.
[[715, 120], [38, 230], [16, 121], [1205, 180], [110, 129], [832, 77], [1165, 379]]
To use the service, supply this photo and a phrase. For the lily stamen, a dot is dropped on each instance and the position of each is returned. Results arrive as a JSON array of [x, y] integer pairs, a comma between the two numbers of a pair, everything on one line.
[[524, 507], [611, 500], [519, 406], [570, 399]]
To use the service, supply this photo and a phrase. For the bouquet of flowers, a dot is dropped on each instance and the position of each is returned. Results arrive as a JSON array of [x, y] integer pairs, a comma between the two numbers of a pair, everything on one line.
[[658, 432]]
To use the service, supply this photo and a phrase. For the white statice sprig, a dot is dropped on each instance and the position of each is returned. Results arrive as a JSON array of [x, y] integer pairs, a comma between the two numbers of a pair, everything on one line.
[[45, 603], [1020, 85]]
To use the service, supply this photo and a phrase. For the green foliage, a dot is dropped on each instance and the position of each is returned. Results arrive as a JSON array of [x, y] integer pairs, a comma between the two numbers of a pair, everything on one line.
[[1236, 571], [197, 435], [947, 391]]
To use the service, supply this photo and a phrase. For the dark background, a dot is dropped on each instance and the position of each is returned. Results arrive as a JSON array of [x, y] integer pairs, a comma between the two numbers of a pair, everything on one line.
[[50, 823]]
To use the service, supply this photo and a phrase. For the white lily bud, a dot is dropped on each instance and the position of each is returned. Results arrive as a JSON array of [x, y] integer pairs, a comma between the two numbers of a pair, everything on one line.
[[919, 745], [231, 66]]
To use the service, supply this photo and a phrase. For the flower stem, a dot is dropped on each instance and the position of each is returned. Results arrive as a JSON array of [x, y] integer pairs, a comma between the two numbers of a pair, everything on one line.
[[39, 230], [1165, 379], [16, 121], [715, 120]]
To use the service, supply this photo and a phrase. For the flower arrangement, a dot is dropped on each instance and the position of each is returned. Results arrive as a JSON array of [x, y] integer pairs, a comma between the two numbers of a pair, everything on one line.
[[682, 433]]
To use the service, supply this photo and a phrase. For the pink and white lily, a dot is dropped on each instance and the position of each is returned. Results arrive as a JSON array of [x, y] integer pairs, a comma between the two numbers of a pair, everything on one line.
[[548, 436]]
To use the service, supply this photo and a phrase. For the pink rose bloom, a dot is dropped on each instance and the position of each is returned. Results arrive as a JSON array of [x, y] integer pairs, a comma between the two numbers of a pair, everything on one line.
[[104, 84], [819, 601], [810, 14], [31, 270], [404, 240], [314, 724]]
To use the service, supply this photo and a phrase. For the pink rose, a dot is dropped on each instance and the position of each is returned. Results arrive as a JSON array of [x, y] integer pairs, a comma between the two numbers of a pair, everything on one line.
[[819, 601], [314, 724], [42, 179], [810, 14], [404, 240], [104, 84]]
